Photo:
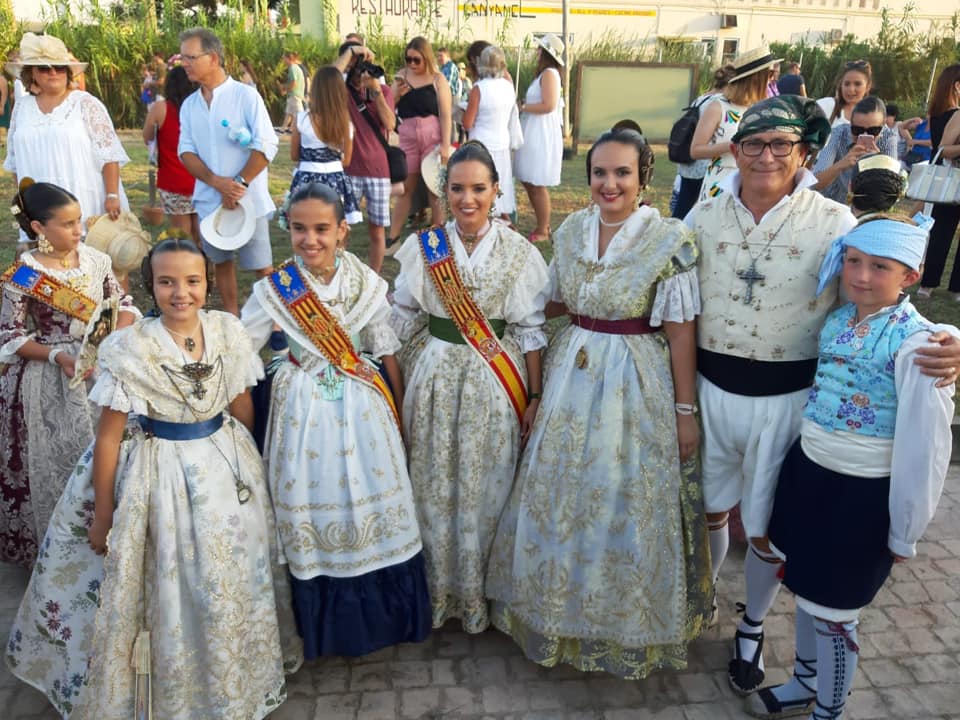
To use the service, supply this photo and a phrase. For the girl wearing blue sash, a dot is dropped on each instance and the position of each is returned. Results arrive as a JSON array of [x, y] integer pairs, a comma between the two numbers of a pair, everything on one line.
[[190, 586], [335, 458], [45, 420], [859, 487]]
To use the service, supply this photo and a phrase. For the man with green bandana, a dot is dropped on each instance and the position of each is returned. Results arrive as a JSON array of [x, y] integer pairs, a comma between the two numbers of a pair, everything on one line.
[[761, 245]]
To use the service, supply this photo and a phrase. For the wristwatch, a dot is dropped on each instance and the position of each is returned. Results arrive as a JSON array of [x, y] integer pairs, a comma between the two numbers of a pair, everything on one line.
[[238, 178]]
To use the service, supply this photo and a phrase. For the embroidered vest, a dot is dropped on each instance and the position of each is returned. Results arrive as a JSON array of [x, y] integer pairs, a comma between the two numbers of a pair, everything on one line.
[[854, 389]]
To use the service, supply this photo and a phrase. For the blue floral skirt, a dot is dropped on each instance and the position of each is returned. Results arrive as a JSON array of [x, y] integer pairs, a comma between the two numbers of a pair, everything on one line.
[[339, 182]]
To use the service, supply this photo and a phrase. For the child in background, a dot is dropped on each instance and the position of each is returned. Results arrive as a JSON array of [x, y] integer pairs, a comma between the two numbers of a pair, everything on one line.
[[335, 458], [322, 141], [857, 490]]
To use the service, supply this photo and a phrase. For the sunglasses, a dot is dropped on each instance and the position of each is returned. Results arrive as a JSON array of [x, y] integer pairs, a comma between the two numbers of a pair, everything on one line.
[[856, 65], [413, 60], [875, 130], [52, 68]]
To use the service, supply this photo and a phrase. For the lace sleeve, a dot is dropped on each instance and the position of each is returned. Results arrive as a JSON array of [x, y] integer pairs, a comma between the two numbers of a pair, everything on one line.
[[13, 324], [109, 392], [677, 299], [242, 366], [106, 144]]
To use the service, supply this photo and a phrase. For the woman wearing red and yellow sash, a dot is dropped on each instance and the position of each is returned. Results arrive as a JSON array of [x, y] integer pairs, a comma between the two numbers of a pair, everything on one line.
[[335, 457], [49, 297], [468, 302]]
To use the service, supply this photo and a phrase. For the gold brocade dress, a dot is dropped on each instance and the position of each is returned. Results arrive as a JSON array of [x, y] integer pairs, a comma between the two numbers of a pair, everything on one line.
[[601, 558]]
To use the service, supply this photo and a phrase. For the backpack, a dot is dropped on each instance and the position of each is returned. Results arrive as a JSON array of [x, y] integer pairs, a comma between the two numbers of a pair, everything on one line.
[[681, 134]]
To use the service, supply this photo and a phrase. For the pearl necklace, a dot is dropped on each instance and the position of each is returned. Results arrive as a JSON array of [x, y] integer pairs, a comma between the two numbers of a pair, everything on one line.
[[611, 224], [470, 240], [189, 343]]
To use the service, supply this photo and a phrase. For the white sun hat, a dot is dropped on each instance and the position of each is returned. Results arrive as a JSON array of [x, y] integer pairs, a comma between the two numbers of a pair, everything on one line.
[[230, 229]]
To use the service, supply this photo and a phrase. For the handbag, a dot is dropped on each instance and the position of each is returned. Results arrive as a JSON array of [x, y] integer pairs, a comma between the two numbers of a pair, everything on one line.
[[396, 158], [934, 183], [516, 130]]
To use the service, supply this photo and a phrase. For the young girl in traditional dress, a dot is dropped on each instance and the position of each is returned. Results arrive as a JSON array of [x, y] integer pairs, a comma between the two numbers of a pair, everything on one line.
[[862, 482], [49, 297], [322, 140], [190, 586], [335, 457], [468, 300]]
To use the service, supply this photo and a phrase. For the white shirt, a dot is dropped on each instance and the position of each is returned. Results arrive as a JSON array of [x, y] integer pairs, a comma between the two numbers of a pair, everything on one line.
[[202, 133]]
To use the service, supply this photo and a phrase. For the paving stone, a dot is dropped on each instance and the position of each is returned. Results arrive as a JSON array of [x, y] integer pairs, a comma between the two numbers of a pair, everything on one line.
[[543, 696], [941, 591], [482, 671], [519, 668], [334, 679], [341, 706], [941, 699], [459, 701], [419, 702], [410, 674], [910, 592], [377, 706], [442, 672], [373, 676], [415, 651], [908, 617], [933, 668], [505, 698], [884, 672], [296, 708], [699, 687], [453, 645]]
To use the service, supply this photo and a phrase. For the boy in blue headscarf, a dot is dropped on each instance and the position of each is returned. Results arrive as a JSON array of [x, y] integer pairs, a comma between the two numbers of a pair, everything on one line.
[[858, 488]]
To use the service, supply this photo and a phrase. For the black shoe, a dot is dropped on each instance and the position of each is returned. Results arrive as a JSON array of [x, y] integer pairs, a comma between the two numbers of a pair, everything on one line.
[[764, 704], [746, 676], [391, 246]]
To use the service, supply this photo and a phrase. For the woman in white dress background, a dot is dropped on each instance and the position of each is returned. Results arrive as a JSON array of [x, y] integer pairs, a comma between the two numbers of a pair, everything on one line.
[[61, 135], [487, 120], [537, 162]]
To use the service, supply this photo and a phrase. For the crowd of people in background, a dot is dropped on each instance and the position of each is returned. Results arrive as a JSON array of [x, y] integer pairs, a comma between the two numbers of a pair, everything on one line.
[[431, 453]]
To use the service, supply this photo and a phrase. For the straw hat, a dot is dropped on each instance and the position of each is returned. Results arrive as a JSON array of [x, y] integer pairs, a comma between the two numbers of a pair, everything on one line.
[[753, 61], [123, 239], [43, 51], [230, 229], [431, 170], [553, 46]]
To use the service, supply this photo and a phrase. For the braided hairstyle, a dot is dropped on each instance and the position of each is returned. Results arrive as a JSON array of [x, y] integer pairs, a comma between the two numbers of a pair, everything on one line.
[[876, 189], [38, 201]]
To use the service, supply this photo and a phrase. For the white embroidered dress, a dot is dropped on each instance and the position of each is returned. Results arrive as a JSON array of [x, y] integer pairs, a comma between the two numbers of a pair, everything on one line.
[[601, 556], [67, 147], [335, 457], [186, 559], [462, 431]]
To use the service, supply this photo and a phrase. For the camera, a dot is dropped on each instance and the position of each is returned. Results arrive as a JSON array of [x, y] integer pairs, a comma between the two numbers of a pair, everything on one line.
[[374, 71]]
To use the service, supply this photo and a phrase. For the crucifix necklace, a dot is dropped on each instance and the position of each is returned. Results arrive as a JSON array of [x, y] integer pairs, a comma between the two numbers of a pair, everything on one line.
[[751, 275]]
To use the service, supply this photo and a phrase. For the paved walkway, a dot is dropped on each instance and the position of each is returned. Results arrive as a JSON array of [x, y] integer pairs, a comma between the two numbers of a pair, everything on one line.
[[909, 668]]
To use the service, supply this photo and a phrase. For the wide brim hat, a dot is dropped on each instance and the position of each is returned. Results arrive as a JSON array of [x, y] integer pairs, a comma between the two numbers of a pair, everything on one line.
[[123, 239], [431, 169], [753, 61], [553, 46], [230, 229], [43, 51]]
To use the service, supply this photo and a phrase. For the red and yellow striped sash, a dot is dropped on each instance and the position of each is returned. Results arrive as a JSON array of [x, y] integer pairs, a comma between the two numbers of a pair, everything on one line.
[[467, 316], [322, 329], [49, 290]]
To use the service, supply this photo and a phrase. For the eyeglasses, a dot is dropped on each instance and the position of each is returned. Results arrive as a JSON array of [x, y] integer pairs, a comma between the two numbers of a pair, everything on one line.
[[52, 68], [413, 60], [192, 58], [779, 148], [857, 130]]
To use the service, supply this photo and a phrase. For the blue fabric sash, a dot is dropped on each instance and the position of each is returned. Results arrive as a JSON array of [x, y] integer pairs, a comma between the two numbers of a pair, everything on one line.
[[180, 431]]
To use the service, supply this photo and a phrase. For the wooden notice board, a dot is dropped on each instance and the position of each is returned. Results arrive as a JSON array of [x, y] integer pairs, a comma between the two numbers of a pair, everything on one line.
[[652, 94]]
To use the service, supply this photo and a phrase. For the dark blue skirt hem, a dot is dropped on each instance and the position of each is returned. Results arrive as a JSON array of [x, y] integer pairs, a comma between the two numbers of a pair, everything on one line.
[[359, 615]]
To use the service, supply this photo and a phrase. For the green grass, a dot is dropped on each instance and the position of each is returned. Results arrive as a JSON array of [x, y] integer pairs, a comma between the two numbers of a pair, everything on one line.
[[572, 194]]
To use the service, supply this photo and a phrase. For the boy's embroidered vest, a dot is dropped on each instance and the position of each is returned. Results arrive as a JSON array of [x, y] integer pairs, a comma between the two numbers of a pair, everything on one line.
[[855, 388]]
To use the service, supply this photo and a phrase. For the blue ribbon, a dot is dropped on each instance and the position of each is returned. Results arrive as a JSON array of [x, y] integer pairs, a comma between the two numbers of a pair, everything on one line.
[[180, 431]]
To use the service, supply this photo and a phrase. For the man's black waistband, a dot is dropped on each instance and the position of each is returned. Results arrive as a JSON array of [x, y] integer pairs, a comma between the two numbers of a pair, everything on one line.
[[756, 378]]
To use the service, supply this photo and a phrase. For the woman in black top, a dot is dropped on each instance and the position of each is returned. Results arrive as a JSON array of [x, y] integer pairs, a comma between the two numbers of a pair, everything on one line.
[[945, 135], [424, 110]]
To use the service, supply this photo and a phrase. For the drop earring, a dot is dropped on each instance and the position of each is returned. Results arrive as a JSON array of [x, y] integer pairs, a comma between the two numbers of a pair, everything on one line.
[[44, 245]]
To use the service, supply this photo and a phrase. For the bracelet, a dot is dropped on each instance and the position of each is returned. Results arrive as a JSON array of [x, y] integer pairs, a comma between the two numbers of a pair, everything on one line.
[[112, 196], [533, 396], [52, 357], [686, 408]]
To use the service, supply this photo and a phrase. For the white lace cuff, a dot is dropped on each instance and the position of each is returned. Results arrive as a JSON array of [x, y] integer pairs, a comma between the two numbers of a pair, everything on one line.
[[109, 392], [529, 338], [677, 299], [379, 339], [406, 322], [8, 351]]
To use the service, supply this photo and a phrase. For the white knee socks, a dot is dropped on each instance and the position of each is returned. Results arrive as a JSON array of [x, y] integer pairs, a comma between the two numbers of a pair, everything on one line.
[[760, 571], [719, 544], [837, 655], [803, 684]]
